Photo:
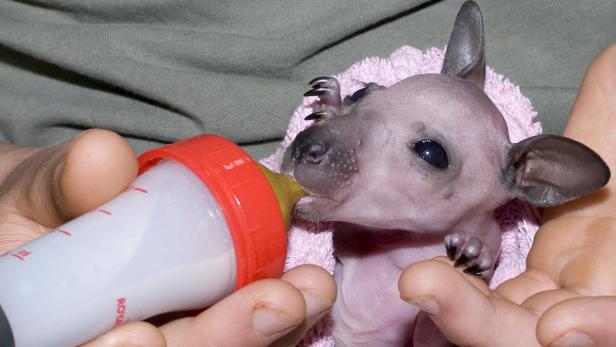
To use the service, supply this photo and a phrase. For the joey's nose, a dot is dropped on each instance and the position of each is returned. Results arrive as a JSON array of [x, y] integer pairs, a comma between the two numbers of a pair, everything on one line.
[[309, 150]]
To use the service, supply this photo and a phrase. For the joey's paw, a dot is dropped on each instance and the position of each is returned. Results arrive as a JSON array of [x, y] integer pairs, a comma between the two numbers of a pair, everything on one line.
[[471, 252], [327, 89]]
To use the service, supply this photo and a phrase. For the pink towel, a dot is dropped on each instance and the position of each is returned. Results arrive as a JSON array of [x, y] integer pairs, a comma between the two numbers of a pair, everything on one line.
[[313, 243]]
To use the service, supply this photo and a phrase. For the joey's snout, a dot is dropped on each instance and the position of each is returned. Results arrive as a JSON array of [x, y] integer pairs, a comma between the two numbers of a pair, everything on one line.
[[321, 161], [308, 149]]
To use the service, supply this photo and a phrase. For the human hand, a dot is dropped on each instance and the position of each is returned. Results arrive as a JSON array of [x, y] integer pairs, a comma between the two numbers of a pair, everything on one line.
[[43, 188], [567, 295], [272, 312]]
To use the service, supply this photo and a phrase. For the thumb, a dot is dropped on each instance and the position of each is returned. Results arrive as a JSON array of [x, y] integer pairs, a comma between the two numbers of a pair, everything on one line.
[[96, 166], [463, 308], [585, 321], [57, 184]]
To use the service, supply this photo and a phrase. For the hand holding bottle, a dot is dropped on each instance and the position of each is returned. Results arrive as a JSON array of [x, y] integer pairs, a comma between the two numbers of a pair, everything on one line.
[[42, 189]]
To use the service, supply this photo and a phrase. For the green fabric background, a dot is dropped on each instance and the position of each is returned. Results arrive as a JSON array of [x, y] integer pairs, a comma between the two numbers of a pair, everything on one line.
[[157, 71]]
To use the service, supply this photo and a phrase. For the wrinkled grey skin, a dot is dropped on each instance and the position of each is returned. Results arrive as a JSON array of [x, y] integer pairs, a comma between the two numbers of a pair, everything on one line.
[[359, 162]]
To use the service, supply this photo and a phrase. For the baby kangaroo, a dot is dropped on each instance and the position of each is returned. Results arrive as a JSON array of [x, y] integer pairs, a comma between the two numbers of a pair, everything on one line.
[[404, 169]]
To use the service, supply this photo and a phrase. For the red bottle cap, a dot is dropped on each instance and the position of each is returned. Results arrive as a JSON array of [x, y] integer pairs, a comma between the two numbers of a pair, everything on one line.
[[245, 198]]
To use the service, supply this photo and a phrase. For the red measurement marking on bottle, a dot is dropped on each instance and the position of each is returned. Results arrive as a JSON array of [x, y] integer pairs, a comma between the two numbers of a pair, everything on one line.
[[64, 232], [104, 211], [21, 255], [139, 189], [120, 310]]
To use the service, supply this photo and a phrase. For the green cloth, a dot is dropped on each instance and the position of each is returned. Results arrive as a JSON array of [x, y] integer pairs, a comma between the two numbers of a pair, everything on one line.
[[157, 71]]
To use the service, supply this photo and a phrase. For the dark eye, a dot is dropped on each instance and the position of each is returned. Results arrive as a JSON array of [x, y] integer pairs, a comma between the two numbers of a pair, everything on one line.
[[359, 94], [432, 152]]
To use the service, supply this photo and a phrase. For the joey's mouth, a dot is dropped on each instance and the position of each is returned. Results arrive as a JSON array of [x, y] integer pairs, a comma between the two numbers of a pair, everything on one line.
[[315, 201], [326, 179], [311, 198], [313, 208]]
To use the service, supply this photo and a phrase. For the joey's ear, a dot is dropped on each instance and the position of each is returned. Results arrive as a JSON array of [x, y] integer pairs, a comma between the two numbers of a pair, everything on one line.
[[465, 55], [548, 170]]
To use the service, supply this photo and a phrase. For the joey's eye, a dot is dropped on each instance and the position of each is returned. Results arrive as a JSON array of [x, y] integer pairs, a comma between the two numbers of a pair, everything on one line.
[[432, 152], [359, 94]]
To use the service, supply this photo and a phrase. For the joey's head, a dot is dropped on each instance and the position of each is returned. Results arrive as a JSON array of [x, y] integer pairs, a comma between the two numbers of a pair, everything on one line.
[[430, 151]]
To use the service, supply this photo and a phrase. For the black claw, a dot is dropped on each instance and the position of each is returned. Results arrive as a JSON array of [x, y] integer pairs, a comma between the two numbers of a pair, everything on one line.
[[319, 80], [475, 270], [318, 92], [462, 260], [314, 116], [451, 251], [319, 115]]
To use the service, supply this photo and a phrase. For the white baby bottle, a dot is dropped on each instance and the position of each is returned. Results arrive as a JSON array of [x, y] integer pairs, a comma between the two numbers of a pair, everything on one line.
[[200, 221]]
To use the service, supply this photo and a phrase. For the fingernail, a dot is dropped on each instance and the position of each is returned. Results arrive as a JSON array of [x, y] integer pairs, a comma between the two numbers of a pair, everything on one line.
[[267, 321], [573, 339], [315, 304], [427, 304]]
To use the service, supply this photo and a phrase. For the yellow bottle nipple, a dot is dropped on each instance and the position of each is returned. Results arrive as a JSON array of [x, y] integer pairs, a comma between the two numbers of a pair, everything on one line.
[[287, 191]]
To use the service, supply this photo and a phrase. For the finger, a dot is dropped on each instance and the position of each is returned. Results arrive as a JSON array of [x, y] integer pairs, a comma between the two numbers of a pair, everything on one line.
[[11, 156], [61, 183], [256, 315], [587, 321], [51, 186], [526, 285], [592, 122], [134, 334], [315, 284], [319, 291], [463, 308]]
